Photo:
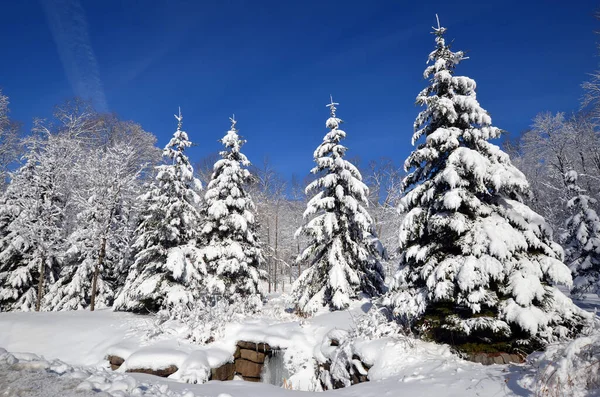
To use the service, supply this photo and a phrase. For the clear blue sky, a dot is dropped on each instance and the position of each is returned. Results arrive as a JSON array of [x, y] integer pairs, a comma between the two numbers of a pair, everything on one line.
[[274, 64]]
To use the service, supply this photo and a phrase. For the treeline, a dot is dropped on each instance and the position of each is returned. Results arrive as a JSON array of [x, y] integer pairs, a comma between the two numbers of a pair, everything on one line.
[[470, 244]]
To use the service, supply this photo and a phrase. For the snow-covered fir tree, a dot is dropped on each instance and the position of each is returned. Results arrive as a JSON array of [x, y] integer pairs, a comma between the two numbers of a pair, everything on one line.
[[582, 239], [478, 265], [231, 249], [17, 277], [166, 269], [343, 253], [104, 198], [32, 212]]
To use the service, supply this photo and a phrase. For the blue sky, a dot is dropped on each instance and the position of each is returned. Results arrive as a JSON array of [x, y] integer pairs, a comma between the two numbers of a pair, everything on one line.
[[275, 63]]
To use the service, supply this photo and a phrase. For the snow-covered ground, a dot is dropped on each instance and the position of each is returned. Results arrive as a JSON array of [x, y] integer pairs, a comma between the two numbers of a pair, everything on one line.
[[64, 354]]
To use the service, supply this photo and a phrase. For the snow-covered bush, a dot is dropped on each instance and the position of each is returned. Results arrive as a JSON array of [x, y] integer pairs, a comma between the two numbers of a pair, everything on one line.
[[203, 321], [339, 352], [568, 368]]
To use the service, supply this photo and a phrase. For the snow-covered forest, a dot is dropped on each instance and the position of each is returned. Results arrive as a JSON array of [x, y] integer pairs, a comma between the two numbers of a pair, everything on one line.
[[475, 242]]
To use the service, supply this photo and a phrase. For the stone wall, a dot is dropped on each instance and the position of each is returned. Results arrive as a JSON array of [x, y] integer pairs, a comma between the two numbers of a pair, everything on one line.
[[116, 362], [248, 361], [495, 358]]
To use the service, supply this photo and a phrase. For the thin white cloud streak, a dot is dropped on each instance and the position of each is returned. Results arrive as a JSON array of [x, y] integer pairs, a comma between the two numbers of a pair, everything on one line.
[[68, 24]]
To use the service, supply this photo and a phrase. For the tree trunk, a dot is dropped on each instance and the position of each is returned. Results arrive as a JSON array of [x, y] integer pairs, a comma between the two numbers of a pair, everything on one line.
[[99, 264], [299, 264], [269, 265], [40, 291], [276, 240]]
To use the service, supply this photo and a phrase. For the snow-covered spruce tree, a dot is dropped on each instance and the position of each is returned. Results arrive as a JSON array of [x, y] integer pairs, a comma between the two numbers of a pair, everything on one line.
[[343, 253], [478, 266], [231, 249], [582, 239], [108, 187], [17, 277], [33, 211], [166, 268]]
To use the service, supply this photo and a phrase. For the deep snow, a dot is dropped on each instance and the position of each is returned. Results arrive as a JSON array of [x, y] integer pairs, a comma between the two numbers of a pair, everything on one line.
[[67, 353]]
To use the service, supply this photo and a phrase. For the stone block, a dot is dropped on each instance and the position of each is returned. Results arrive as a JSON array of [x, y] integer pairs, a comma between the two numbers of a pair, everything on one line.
[[261, 347], [115, 362], [163, 372], [248, 368], [253, 355], [224, 372]]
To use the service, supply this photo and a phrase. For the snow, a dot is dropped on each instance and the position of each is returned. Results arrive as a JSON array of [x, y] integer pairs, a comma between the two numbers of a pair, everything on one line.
[[63, 353], [66, 355], [154, 358]]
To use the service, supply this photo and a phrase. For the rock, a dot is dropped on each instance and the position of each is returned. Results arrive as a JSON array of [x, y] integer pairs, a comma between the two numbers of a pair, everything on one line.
[[237, 353], [115, 362], [261, 347], [495, 358], [334, 342], [250, 379], [163, 372], [516, 358], [248, 368], [224, 372], [253, 355]]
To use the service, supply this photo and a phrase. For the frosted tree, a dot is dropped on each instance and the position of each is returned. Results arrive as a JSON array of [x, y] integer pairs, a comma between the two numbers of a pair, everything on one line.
[[108, 187], [33, 213], [166, 267], [231, 249], [478, 265], [343, 253], [17, 275], [9, 140], [582, 239]]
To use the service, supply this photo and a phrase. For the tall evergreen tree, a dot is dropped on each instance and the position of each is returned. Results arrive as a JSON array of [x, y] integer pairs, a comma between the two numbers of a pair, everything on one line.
[[166, 268], [477, 264], [33, 212], [232, 252], [343, 254], [582, 239]]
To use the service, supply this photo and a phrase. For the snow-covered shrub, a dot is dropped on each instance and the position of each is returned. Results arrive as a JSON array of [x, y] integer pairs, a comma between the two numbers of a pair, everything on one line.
[[205, 320], [339, 352], [568, 368]]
